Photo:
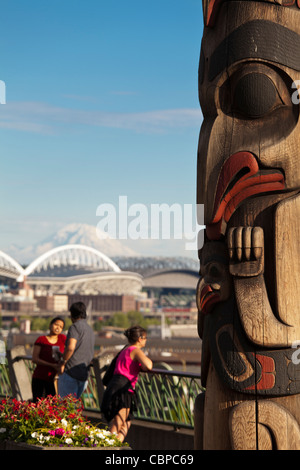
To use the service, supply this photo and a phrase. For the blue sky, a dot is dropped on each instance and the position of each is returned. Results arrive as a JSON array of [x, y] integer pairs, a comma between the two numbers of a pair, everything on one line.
[[101, 101]]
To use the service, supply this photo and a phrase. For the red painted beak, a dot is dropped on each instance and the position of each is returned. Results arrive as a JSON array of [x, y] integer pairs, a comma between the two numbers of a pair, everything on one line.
[[240, 178]]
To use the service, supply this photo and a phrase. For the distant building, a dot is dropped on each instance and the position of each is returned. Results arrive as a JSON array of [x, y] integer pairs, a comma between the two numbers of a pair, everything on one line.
[[106, 303], [144, 305], [53, 303], [69, 273], [159, 331], [16, 303]]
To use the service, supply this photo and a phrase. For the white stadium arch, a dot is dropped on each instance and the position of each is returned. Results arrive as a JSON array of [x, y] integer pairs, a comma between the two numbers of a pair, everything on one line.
[[88, 271], [76, 268], [72, 255], [9, 265]]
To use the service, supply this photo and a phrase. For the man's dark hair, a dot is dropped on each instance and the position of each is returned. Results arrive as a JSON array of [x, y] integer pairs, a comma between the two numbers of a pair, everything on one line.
[[78, 310]]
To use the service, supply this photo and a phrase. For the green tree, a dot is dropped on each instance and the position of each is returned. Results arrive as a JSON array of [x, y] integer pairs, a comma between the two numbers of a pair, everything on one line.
[[136, 318], [120, 320], [40, 324], [98, 325], [68, 323]]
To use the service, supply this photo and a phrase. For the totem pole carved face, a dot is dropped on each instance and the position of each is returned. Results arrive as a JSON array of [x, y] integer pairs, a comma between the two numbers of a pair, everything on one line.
[[250, 136], [215, 283], [249, 183]]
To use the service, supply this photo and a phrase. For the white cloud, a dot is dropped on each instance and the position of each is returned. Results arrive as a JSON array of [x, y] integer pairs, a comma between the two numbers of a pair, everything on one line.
[[44, 118]]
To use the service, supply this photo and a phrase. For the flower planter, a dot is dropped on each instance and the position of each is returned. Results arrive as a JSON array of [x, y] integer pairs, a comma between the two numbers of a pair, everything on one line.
[[54, 423], [11, 445]]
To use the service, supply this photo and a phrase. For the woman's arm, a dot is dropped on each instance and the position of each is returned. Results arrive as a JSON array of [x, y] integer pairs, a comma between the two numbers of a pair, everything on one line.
[[36, 357], [139, 356]]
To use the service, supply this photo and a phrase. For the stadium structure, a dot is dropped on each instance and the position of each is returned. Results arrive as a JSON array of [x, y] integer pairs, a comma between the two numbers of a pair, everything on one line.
[[71, 269], [79, 270], [163, 274]]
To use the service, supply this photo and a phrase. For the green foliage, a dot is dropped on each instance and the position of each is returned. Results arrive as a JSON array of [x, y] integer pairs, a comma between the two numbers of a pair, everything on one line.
[[68, 323], [119, 320], [126, 320], [98, 325]]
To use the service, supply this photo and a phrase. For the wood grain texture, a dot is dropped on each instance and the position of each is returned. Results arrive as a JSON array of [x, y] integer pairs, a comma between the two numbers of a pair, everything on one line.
[[263, 425], [287, 255], [248, 179]]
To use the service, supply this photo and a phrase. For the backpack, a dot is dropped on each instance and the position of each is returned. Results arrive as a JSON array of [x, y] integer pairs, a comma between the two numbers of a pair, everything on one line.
[[110, 370]]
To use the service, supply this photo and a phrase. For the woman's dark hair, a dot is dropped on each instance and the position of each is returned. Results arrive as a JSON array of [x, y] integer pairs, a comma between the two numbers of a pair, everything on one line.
[[56, 319], [78, 310], [134, 333]]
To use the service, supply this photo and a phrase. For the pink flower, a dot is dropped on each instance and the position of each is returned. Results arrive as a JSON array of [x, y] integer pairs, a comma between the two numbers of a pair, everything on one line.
[[59, 432]]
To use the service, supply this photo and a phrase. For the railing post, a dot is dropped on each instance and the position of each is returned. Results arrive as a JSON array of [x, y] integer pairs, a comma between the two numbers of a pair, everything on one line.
[[18, 375], [99, 383]]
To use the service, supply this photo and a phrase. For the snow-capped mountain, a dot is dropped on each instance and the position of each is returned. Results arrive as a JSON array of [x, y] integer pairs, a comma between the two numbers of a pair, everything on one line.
[[79, 234]]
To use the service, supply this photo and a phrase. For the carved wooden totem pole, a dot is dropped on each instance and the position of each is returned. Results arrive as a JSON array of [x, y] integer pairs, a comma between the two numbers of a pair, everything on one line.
[[249, 183]]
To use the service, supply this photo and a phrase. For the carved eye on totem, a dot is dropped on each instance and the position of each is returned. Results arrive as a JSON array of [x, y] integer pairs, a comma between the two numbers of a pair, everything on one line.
[[214, 271], [254, 91], [255, 95]]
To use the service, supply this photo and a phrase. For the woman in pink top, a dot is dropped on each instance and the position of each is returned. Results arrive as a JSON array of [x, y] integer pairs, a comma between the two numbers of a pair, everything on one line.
[[117, 398]]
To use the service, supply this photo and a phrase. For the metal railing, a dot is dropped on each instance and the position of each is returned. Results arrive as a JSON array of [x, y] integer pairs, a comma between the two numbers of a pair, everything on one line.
[[168, 397], [5, 386], [162, 396]]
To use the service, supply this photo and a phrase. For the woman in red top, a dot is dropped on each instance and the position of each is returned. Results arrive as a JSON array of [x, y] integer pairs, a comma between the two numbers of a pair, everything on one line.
[[47, 351]]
